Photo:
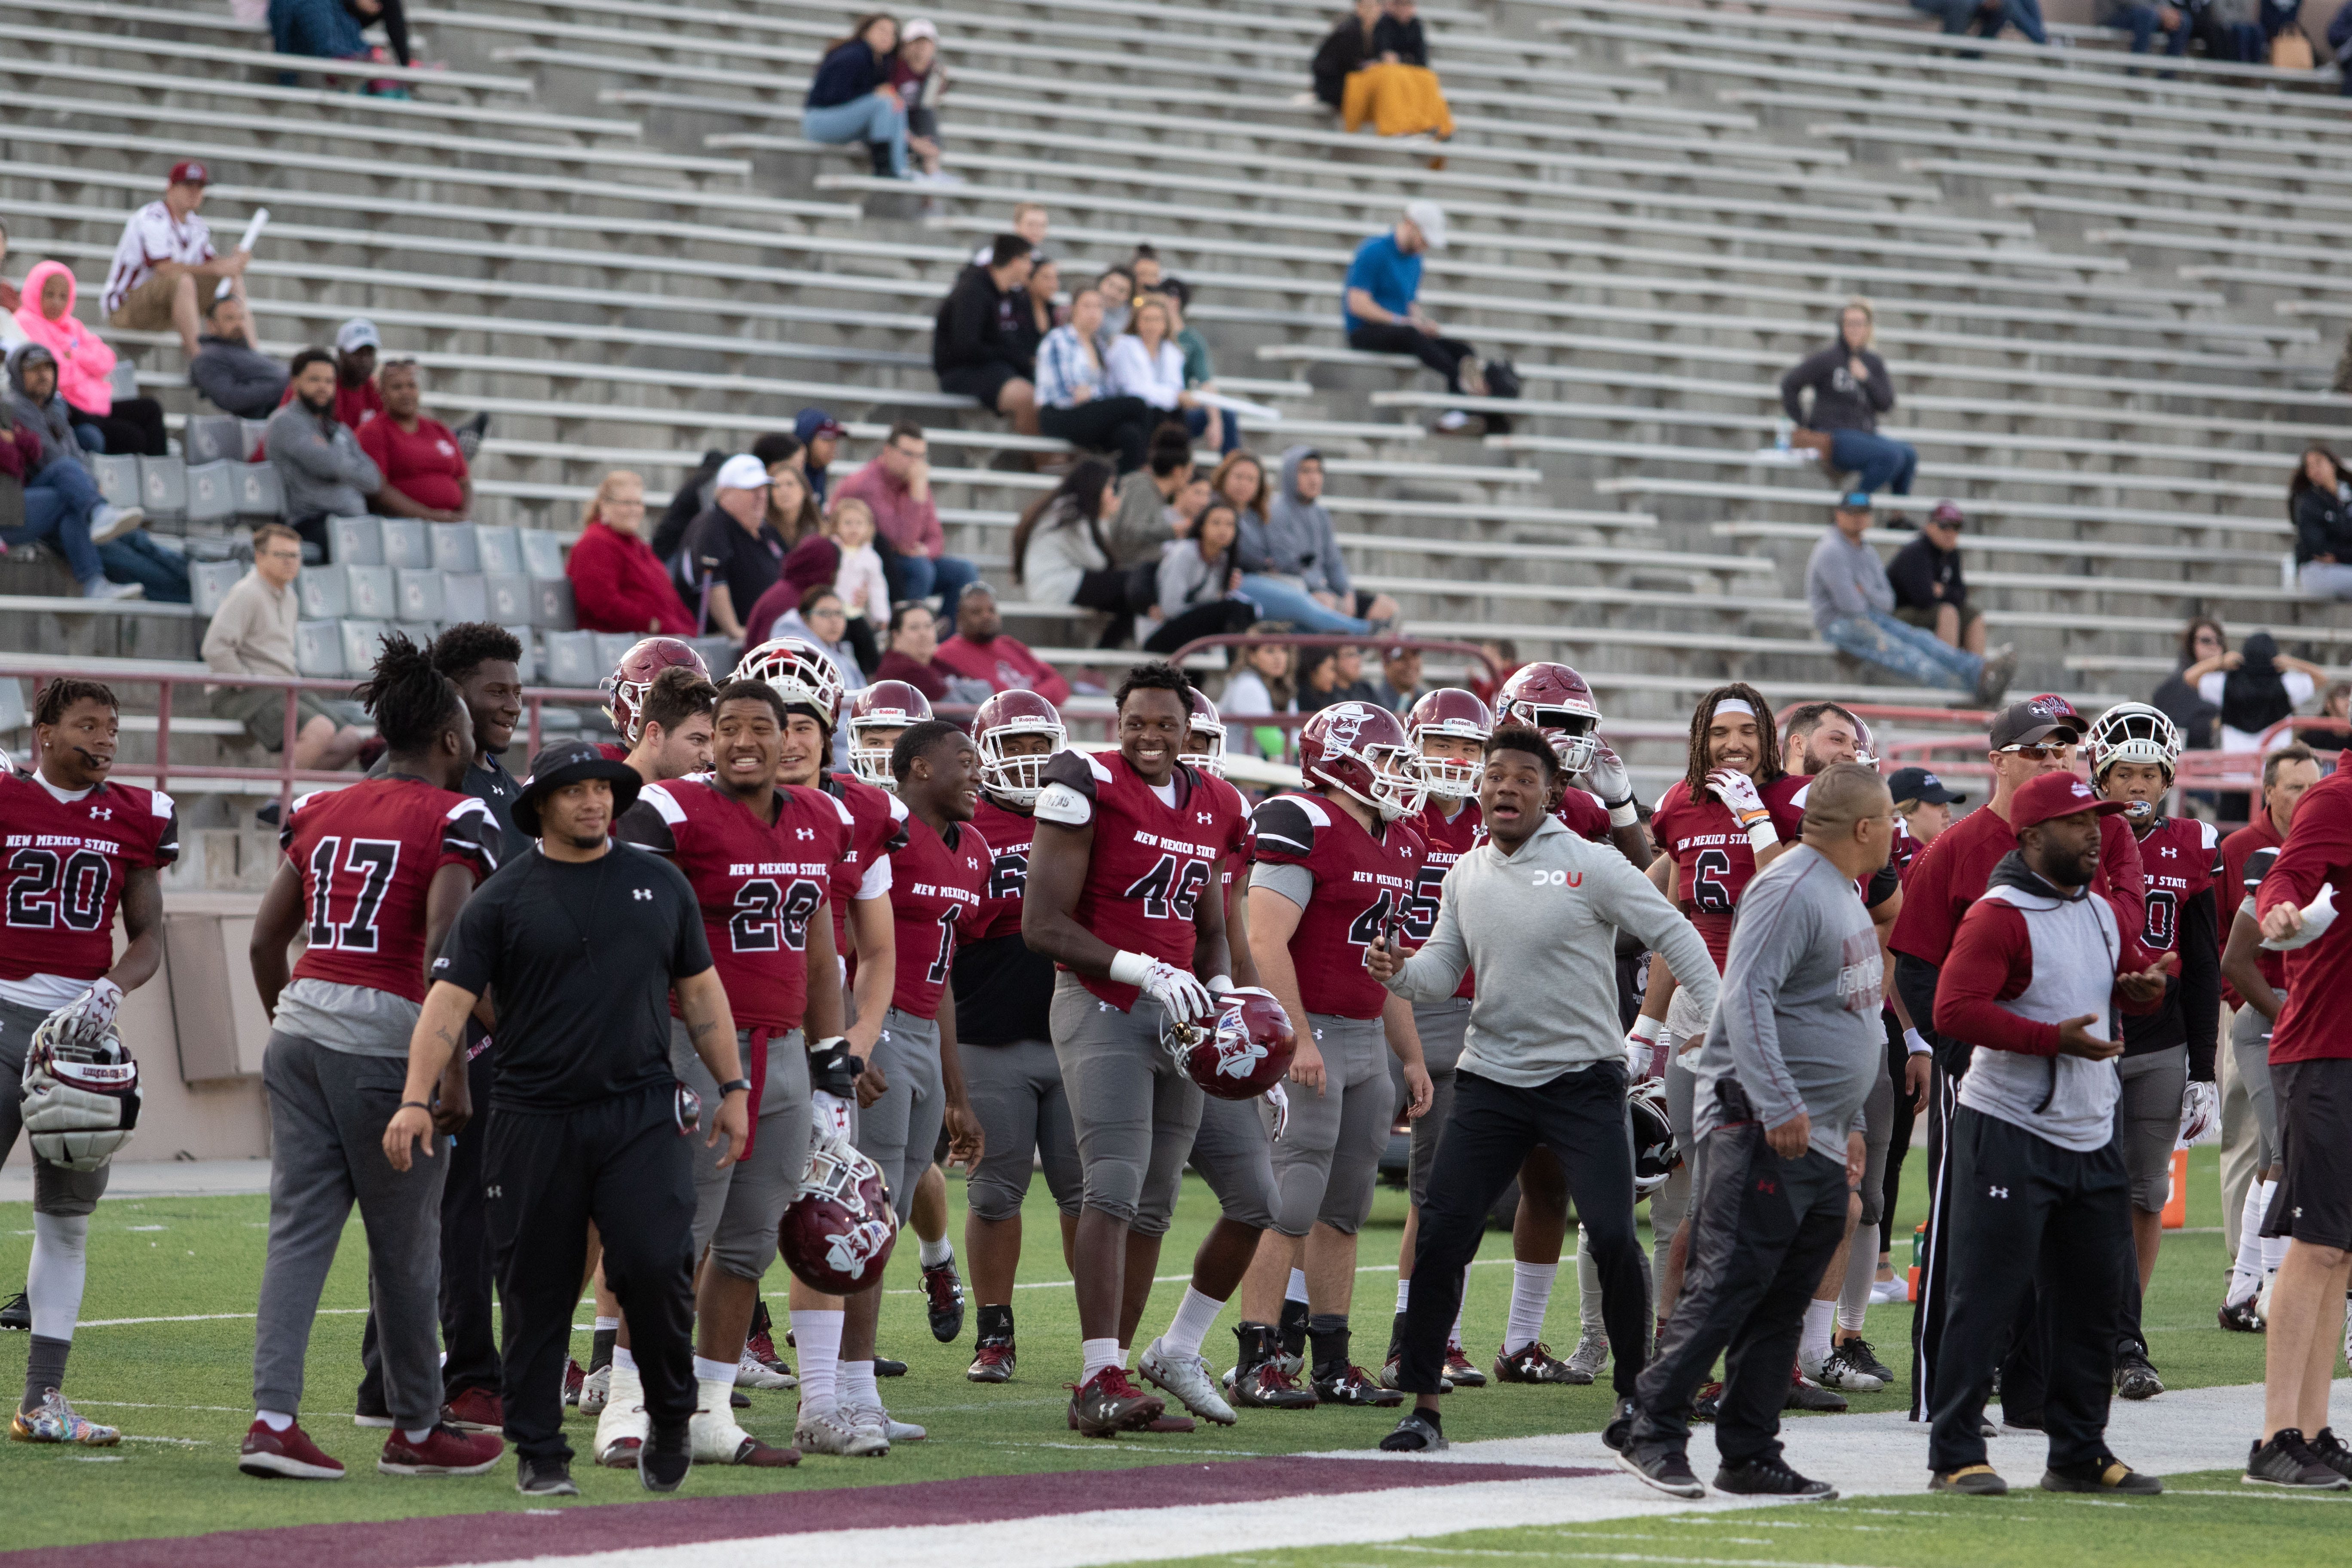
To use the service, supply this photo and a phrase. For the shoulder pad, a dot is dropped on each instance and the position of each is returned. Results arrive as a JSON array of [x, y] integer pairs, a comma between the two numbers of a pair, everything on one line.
[[1080, 772], [1064, 805], [658, 796], [1287, 824]]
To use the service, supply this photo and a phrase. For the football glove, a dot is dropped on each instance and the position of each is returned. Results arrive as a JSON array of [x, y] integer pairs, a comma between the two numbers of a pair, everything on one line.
[[829, 1115], [1737, 792], [1642, 1050], [1608, 779], [1281, 1103], [87, 1017], [2200, 1112], [832, 1069], [1178, 990]]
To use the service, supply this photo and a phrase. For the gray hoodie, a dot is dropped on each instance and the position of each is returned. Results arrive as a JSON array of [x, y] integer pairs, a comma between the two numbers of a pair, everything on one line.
[[1547, 919], [319, 464], [49, 420], [238, 378], [1298, 540]]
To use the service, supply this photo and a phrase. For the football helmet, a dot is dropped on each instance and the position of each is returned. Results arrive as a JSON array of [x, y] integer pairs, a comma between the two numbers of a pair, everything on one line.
[[81, 1094], [1209, 727], [626, 687], [2134, 733], [1020, 780], [885, 705], [1359, 748], [1655, 1154], [1449, 710], [800, 673], [836, 1235], [1554, 700], [1865, 745], [1240, 1053]]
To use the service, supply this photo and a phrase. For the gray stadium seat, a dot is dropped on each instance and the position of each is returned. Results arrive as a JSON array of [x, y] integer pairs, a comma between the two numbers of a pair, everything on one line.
[[253, 433], [212, 438], [465, 596], [325, 593], [406, 543], [419, 594], [529, 663], [611, 646], [542, 553], [319, 649], [13, 714], [259, 491], [510, 598], [454, 549], [421, 633], [355, 541], [208, 581], [374, 591], [117, 479], [164, 487], [212, 491], [718, 653], [499, 549], [551, 604], [125, 379], [572, 659], [359, 643]]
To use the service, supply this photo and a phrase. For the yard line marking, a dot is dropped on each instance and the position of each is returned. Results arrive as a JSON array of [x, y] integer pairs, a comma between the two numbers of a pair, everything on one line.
[[211, 1318]]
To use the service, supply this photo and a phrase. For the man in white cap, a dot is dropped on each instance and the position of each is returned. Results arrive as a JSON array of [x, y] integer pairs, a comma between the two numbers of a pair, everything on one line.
[[1381, 315], [734, 552]]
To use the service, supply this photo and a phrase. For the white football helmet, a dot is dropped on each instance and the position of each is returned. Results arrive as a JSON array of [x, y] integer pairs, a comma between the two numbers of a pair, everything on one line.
[[1207, 726], [82, 1097], [2134, 733], [800, 673]]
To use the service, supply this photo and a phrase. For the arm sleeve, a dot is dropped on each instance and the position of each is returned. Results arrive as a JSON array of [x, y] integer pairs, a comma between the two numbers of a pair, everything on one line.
[[2201, 980], [1769, 938], [1992, 957], [1435, 970]]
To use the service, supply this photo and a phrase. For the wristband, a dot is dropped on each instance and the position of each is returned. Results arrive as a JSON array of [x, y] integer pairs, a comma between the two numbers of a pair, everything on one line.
[[1622, 814], [1131, 968], [1916, 1043], [1761, 833], [1645, 1029], [734, 1084], [415, 1105]]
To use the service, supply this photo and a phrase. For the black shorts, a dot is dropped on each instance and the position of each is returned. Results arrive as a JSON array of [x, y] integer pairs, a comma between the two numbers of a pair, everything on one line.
[[2314, 1203], [984, 382]]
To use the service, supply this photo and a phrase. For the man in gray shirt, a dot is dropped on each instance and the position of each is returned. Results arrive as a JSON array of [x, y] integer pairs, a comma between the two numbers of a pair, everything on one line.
[[1854, 610], [320, 465], [1542, 1060], [1790, 1056]]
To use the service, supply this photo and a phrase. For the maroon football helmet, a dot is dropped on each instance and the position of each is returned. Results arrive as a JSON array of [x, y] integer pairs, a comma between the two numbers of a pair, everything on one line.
[[801, 673], [626, 687], [1208, 727], [1449, 710], [891, 705], [1242, 1052], [1555, 700], [1019, 780], [1359, 748], [836, 1235]]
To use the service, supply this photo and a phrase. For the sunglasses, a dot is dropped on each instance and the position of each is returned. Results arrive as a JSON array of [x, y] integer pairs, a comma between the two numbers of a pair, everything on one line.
[[2040, 754]]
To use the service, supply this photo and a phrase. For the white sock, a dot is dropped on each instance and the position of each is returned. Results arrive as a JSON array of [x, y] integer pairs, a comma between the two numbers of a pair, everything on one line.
[[1127, 1358], [1814, 1347], [1861, 1273], [625, 1359], [276, 1420], [854, 1386], [1404, 1294], [417, 1434], [816, 1334], [1464, 1299], [2273, 1254], [53, 1283], [706, 1371], [935, 1253], [2246, 1268], [1195, 1315], [1097, 1355], [1297, 1291], [608, 1325], [1530, 1296]]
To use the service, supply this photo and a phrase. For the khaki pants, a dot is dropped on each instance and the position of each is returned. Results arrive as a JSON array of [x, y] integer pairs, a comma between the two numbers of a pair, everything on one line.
[[147, 308]]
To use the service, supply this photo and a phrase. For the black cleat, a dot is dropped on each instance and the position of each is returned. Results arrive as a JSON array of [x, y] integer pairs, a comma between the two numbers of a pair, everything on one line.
[[1859, 1355], [1804, 1393], [17, 1315], [884, 1367], [943, 1300], [1534, 1364], [1770, 1477], [2238, 1317], [2135, 1378], [1353, 1385]]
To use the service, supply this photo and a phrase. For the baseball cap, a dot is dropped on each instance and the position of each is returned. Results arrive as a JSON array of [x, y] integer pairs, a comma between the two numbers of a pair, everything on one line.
[[2037, 719], [743, 472], [920, 27], [1853, 500], [1429, 218], [2053, 796], [358, 333], [1918, 783], [1947, 514], [188, 172], [815, 424]]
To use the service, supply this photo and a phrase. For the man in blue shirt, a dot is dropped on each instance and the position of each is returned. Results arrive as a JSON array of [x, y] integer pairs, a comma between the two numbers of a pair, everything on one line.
[[1379, 311]]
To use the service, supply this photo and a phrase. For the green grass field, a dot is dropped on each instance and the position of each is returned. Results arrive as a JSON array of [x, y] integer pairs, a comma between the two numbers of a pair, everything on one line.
[[180, 1387]]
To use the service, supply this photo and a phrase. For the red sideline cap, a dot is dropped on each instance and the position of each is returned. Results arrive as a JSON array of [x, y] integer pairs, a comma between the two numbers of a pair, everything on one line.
[[188, 172], [2039, 800]]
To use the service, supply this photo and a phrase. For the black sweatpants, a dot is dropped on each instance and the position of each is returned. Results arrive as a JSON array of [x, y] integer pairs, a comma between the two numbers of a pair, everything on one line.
[[1898, 1061], [1581, 1117], [1762, 1229], [1443, 355], [1121, 426], [622, 1163], [2028, 1215]]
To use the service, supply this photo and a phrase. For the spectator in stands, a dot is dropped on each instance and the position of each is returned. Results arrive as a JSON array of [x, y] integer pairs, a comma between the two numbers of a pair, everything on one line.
[[975, 346], [686, 503], [424, 475], [393, 15], [618, 584], [1851, 389], [820, 619], [1058, 554], [1117, 286], [982, 650], [61, 504], [165, 257], [864, 586], [1395, 89], [897, 484], [1502, 662], [1241, 481], [252, 633], [321, 468], [850, 97], [128, 427], [2200, 721], [1399, 687], [1149, 275], [820, 434], [921, 83], [1325, 677], [230, 368], [911, 656], [328, 30], [1298, 542], [1035, 313], [1342, 53], [1141, 525], [791, 508], [2144, 21], [1380, 311], [1075, 403], [9, 297], [1030, 221], [1195, 583], [737, 554], [2255, 688], [1260, 688], [2319, 501], [1930, 591], [1223, 430], [1145, 364], [1987, 17], [1854, 604]]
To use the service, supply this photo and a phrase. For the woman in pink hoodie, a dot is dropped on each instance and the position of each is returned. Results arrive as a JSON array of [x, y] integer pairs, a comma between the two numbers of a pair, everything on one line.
[[132, 425]]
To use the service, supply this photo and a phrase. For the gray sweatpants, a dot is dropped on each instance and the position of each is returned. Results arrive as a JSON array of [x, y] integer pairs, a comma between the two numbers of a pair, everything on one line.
[[327, 1115], [1016, 1092], [1134, 1109], [2147, 1121], [57, 1189], [899, 1130], [1442, 1026], [2250, 1050], [1328, 1160], [737, 1207]]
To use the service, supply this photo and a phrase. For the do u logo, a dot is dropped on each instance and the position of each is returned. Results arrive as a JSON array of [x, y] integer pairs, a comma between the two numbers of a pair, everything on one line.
[[1557, 880]]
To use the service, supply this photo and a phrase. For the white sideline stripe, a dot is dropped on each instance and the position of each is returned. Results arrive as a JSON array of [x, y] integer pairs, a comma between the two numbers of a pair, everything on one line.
[[211, 1318]]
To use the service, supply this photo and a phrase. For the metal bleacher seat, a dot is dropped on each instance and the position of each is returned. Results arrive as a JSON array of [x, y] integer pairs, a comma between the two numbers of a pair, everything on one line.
[[260, 493], [572, 659], [212, 492], [527, 665], [374, 591], [465, 596], [212, 438], [498, 549], [419, 594], [454, 549], [406, 543], [611, 646], [551, 604], [355, 541], [318, 648], [118, 478], [210, 581], [325, 593], [510, 598], [542, 553], [359, 640]]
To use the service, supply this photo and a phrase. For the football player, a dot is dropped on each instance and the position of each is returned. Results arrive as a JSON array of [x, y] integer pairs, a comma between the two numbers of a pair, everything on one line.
[[878, 715], [79, 846], [759, 857], [1126, 844], [2166, 1067], [1334, 868], [627, 688], [1002, 996], [372, 876]]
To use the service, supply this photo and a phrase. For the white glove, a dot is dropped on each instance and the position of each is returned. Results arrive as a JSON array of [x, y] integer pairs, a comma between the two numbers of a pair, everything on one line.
[[2201, 1113], [2317, 916], [1737, 791], [1178, 990], [830, 1116], [1281, 1103], [1608, 779], [89, 1016], [1916, 1043], [1642, 1050]]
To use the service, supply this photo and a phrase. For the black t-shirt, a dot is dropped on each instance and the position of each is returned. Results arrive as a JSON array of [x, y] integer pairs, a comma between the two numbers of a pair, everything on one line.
[[581, 956], [487, 781], [746, 564]]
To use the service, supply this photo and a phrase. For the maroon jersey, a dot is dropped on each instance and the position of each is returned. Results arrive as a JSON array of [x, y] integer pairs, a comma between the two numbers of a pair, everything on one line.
[[67, 863], [1583, 814], [1784, 797], [1151, 862], [1444, 841], [2180, 858], [1009, 834], [2234, 892], [1361, 883], [367, 855], [1714, 860], [759, 884], [939, 890], [612, 750], [877, 828]]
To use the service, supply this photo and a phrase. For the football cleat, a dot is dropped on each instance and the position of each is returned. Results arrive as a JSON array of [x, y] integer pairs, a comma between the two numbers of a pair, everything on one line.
[[1833, 1371], [1106, 1405], [943, 1300], [884, 1367], [994, 1364], [573, 1380], [1353, 1385], [833, 1432], [476, 1410], [288, 1454], [1186, 1377], [1804, 1393], [751, 1372], [1392, 1376], [17, 1315], [445, 1451], [1590, 1360], [1704, 1402], [597, 1391], [1461, 1372], [55, 1421], [762, 1348], [2135, 1378], [874, 1419], [2240, 1317], [1857, 1353], [1266, 1386], [1534, 1364], [1884, 1292]]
